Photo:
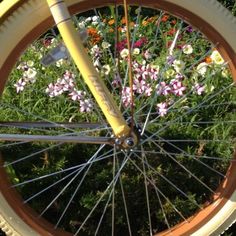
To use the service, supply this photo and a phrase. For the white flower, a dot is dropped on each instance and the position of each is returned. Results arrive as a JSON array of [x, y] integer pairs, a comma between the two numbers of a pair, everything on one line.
[[20, 85], [95, 18], [86, 105], [96, 51], [60, 62], [30, 75], [82, 25], [225, 73], [87, 20], [187, 49], [97, 63], [169, 73], [105, 45], [124, 53], [216, 58], [178, 66], [95, 23], [202, 68], [136, 51], [106, 69], [30, 63]]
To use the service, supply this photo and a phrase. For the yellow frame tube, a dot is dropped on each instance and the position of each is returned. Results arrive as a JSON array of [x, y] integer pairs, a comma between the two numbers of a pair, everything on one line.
[[99, 90]]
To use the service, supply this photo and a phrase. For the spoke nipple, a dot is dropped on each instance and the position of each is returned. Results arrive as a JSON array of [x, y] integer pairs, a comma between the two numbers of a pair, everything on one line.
[[130, 142]]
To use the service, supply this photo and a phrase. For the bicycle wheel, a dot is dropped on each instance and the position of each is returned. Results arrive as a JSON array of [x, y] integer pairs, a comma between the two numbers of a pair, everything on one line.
[[62, 172]]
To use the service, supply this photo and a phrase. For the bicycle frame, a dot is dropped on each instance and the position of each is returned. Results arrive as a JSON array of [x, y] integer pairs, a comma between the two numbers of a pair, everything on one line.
[[97, 87]]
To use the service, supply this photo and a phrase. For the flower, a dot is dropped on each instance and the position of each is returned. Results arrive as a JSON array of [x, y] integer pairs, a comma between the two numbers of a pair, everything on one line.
[[95, 18], [20, 85], [202, 68], [139, 86], [88, 19], [165, 18], [208, 60], [82, 24], [216, 58], [95, 51], [163, 89], [111, 22], [116, 83], [199, 89], [126, 96], [124, 53], [30, 75], [177, 87], [77, 95], [106, 69], [50, 90], [178, 66], [147, 55], [169, 73], [136, 51], [30, 63], [86, 105], [105, 45], [139, 43], [187, 49], [94, 35], [162, 108]]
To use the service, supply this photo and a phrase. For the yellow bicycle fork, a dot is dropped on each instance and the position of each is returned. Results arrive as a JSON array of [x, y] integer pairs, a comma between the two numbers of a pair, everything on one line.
[[99, 90]]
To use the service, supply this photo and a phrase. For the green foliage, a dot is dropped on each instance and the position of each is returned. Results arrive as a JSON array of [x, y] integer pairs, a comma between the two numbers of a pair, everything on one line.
[[93, 169]]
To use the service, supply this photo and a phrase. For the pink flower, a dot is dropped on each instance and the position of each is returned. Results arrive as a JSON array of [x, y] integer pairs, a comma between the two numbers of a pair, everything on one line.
[[153, 73], [77, 95], [139, 86], [140, 42], [126, 96], [147, 55], [163, 89], [50, 90], [199, 89], [148, 90], [162, 108], [121, 45], [178, 87]]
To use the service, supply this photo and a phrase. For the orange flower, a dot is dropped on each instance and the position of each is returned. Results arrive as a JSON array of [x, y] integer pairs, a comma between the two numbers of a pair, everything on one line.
[[94, 36], [164, 18], [173, 22], [171, 31], [131, 24], [123, 21], [144, 23], [111, 30], [151, 19], [111, 22], [208, 60]]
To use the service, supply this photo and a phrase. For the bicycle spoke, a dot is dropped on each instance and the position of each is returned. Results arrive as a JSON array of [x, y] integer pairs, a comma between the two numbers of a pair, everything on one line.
[[183, 167], [170, 182], [192, 156], [146, 191], [159, 191], [103, 194]]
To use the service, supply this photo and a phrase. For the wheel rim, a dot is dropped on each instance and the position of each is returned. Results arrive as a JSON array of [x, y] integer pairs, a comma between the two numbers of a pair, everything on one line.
[[229, 180]]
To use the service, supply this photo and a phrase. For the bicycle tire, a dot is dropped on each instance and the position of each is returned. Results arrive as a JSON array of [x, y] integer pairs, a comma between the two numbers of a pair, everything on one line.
[[21, 20]]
